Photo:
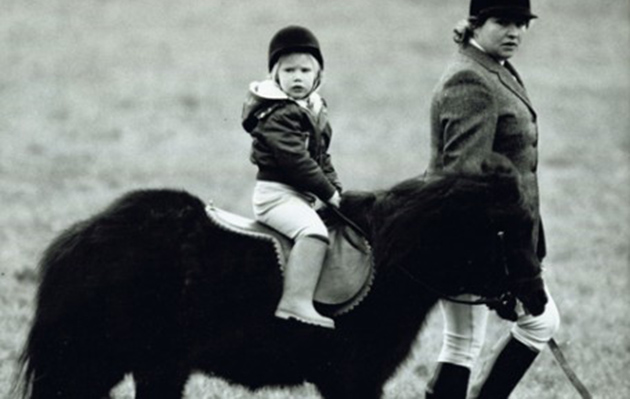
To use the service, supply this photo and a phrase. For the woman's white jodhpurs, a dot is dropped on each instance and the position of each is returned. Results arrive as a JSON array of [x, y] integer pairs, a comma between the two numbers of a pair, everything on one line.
[[465, 329]]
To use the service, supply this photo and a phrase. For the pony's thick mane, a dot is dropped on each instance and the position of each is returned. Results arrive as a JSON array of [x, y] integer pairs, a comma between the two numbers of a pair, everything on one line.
[[435, 209]]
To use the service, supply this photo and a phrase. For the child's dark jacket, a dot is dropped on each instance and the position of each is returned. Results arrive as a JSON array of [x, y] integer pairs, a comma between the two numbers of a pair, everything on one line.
[[290, 142]]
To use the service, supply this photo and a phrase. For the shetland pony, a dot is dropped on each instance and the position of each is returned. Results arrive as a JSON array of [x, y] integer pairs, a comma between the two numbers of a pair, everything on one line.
[[149, 286]]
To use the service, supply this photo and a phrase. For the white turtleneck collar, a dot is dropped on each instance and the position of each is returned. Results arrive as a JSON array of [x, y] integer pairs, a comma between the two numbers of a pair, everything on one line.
[[476, 44]]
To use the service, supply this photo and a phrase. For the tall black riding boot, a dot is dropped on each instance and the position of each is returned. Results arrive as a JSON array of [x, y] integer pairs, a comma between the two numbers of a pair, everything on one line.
[[512, 361], [450, 381]]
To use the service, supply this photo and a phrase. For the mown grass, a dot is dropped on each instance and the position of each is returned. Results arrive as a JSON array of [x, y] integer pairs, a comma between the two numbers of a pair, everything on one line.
[[101, 97]]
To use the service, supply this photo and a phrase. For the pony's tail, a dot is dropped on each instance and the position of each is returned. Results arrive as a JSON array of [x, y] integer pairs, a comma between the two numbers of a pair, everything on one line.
[[30, 369], [24, 376], [34, 363]]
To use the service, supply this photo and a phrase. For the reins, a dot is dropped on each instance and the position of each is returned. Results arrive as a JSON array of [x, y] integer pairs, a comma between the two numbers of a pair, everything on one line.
[[482, 301], [347, 220], [502, 299]]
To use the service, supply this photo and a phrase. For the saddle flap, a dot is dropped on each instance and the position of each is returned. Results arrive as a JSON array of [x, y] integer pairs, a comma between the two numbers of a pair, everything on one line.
[[346, 268]]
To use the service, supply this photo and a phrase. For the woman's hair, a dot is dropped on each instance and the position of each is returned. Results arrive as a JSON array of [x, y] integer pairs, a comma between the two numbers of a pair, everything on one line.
[[464, 29]]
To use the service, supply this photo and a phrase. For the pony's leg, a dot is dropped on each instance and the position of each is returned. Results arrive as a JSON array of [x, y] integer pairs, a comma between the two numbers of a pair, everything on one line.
[[165, 384]]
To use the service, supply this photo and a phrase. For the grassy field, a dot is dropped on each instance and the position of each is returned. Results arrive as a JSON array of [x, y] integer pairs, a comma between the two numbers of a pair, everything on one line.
[[101, 97]]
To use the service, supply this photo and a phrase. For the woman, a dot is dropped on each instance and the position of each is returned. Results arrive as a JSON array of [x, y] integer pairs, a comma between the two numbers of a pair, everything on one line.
[[480, 106]]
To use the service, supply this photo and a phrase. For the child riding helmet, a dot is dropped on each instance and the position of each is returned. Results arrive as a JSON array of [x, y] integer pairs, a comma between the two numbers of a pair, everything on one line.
[[294, 39]]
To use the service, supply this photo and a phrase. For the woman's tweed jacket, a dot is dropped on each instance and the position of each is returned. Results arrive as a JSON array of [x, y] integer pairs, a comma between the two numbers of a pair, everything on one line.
[[480, 106]]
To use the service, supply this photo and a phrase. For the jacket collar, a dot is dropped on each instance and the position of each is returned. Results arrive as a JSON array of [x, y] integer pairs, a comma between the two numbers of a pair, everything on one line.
[[506, 72], [264, 97]]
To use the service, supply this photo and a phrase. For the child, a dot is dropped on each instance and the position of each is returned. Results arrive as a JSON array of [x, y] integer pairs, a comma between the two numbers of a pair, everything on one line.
[[287, 121]]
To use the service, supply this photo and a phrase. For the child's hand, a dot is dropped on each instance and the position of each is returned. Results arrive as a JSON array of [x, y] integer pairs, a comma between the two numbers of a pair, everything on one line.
[[335, 200]]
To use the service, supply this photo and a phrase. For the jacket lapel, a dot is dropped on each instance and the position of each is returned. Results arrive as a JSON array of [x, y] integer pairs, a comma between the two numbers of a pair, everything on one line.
[[506, 73]]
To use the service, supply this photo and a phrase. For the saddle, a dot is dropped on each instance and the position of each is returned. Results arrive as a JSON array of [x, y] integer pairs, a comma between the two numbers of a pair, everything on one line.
[[348, 269]]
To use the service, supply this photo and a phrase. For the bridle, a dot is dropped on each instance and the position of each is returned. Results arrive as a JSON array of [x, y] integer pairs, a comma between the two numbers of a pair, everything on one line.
[[502, 299]]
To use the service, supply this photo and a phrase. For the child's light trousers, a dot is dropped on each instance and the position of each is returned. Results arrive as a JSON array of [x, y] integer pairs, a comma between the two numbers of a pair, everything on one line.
[[287, 210]]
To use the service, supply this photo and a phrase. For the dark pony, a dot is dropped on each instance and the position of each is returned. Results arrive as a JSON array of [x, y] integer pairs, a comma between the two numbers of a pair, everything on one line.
[[150, 286]]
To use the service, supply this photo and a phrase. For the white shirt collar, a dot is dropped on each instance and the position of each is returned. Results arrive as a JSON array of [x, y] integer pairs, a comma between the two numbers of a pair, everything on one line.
[[476, 44]]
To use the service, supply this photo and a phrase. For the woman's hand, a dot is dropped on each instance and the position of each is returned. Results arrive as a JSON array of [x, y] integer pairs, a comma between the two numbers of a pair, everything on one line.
[[531, 292], [506, 309]]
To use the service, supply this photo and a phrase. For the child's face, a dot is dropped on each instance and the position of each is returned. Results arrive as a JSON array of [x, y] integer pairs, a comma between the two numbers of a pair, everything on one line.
[[296, 74]]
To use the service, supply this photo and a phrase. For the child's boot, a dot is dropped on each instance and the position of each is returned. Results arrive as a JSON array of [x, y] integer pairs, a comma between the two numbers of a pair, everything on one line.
[[300, 281]]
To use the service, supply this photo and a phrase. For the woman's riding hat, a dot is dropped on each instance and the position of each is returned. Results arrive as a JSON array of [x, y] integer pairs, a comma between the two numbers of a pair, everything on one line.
[[294, 39], [506, 8]]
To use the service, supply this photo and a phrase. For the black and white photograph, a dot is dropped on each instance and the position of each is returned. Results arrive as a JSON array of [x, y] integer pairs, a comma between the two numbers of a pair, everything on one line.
[[314, 199]]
